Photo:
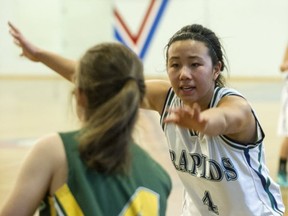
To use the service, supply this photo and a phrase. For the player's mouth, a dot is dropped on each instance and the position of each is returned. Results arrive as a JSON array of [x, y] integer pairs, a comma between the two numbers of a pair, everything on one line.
[[187, 89]]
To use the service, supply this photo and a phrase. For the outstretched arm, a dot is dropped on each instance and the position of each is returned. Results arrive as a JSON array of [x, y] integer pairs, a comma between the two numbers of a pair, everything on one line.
[[232, 117], [156, 90], [63, 66], [284, 64]]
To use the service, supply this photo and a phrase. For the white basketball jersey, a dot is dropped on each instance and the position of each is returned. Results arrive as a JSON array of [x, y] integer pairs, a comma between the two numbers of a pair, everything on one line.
[[221, 176], [283, 117]]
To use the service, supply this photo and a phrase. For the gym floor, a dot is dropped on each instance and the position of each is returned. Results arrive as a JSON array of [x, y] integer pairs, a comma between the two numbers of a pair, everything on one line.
[[32, 107]]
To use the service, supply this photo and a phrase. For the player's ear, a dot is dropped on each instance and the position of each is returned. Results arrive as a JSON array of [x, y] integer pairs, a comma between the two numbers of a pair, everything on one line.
[[217, 70]]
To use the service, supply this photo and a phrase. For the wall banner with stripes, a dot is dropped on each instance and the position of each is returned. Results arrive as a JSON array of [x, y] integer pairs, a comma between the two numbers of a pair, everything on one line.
[[135, 22]]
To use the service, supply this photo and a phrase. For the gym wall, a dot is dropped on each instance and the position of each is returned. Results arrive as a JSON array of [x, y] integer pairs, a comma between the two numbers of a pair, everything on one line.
[[253, 33]]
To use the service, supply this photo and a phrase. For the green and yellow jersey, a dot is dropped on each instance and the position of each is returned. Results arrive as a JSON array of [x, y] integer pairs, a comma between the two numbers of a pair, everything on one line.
[[143, 191]]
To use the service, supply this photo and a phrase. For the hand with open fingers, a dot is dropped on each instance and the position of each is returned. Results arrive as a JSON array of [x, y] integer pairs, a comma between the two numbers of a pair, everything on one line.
[[187, 117], [28, 50]]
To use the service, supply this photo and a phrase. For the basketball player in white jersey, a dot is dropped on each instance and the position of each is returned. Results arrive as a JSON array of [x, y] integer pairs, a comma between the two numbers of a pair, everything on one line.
[[282, 178], [214, 136]]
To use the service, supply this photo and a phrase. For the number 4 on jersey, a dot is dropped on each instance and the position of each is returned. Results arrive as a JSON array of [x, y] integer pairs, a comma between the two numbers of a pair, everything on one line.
[[207, 200]]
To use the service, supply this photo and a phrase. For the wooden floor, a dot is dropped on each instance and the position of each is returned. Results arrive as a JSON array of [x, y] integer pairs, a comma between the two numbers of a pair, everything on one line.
[[32, 108]]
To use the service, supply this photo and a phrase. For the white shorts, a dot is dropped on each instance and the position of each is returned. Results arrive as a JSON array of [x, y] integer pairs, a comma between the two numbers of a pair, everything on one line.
[[283, 117]]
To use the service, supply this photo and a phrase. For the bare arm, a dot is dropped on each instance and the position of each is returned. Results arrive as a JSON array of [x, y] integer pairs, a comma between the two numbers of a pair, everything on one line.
[[232, 117], [34, 179], [284, 64], [63, 66], [156, 92]]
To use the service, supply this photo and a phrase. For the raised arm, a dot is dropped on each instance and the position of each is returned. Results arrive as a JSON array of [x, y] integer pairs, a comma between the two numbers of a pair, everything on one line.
[[156, 90], [63, 66]]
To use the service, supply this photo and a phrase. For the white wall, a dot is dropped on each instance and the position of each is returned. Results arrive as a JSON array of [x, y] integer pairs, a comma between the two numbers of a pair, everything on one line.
[[67, 27], [254, 33]]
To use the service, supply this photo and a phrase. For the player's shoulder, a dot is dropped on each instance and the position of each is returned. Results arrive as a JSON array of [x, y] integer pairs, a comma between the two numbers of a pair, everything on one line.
[[48, 140], [49, 146], [156, 92], [159, 84]]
